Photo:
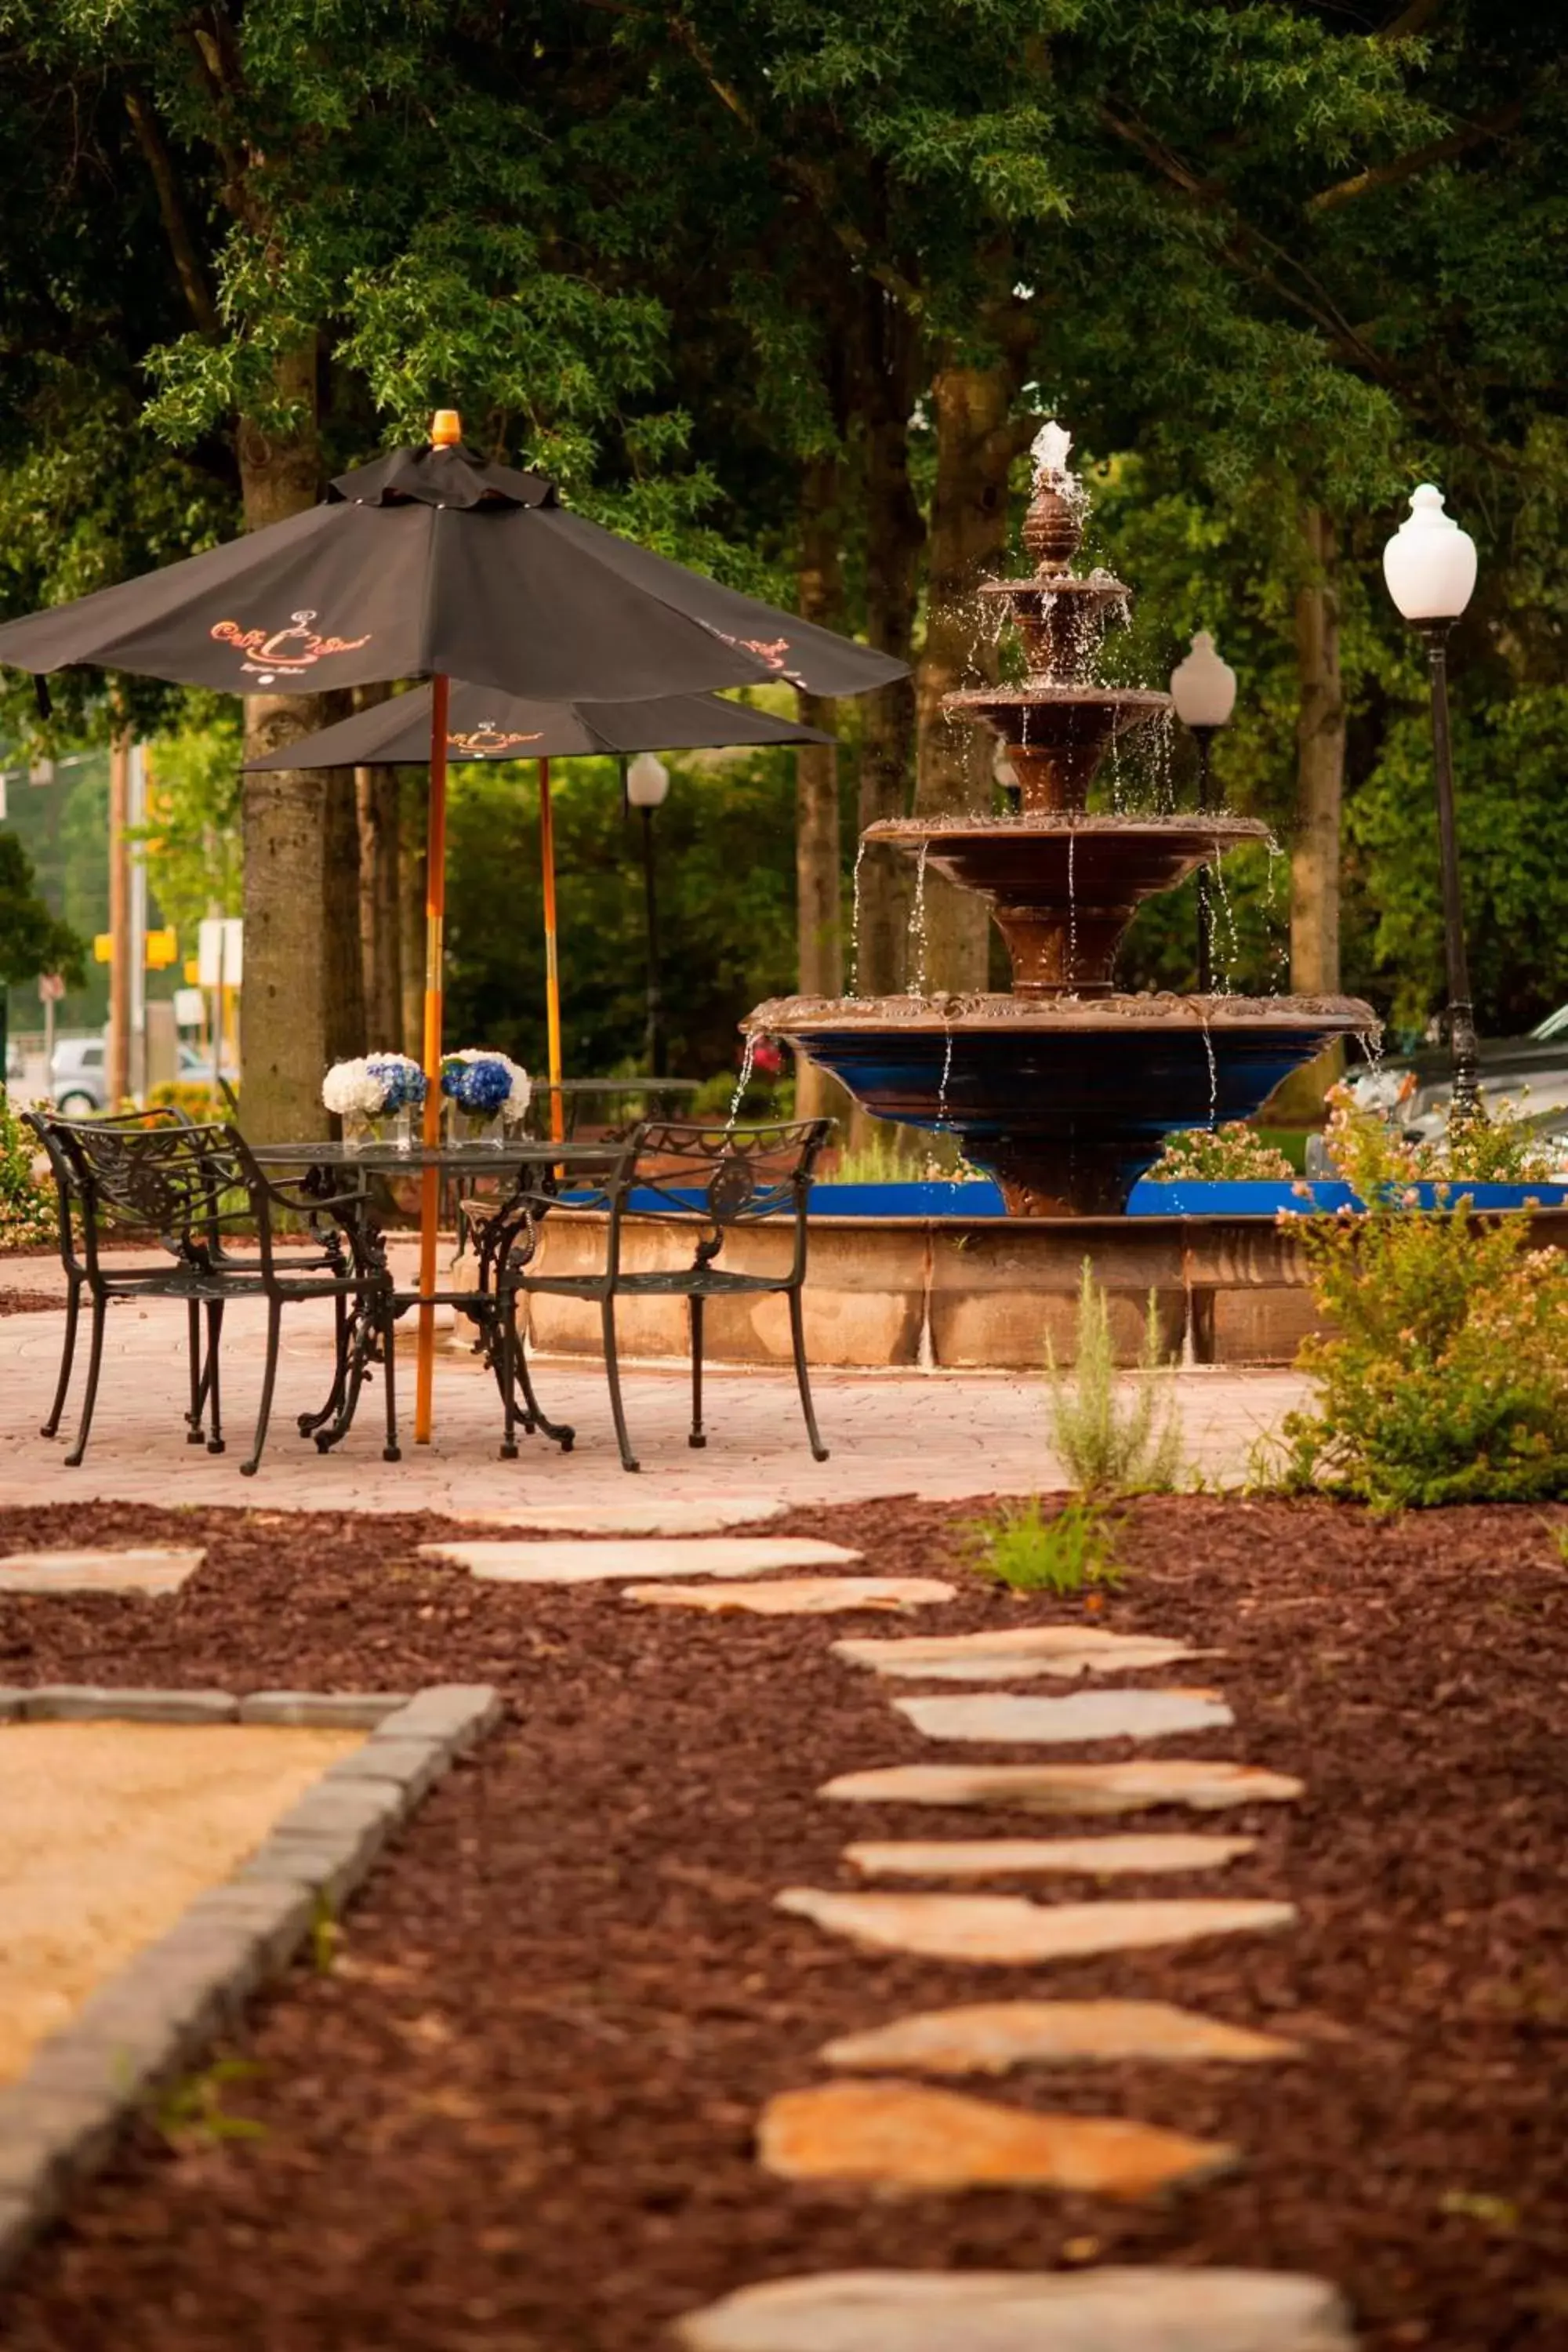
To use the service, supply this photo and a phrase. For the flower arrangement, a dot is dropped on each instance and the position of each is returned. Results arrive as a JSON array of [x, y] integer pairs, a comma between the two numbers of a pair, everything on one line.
[[485, 1085], [375, 1087]]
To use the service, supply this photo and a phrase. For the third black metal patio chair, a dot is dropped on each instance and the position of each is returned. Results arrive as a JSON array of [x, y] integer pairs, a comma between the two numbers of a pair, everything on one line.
[[711, 1180]]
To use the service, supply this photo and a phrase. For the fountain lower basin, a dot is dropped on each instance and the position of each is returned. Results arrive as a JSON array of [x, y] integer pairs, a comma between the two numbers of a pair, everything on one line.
[[1066, 1100]]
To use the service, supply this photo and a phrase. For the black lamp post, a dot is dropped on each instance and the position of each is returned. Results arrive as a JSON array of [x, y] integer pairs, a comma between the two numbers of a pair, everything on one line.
[[1430, 567], [1203, 689], [647, 782]]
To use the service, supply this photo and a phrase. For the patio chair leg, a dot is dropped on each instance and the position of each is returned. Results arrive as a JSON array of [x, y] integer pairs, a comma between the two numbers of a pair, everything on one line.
[[90, 1395], [562, 1431], [195, 1433], [508, 1355], [612, 1374], [216, 1442], [68, 1357], [391, 1451], [697, 1437], [274, 1322], [797, 1334]]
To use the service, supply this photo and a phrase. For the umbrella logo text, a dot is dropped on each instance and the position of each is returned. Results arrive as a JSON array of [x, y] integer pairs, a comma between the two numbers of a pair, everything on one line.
[[283, 653], [488, 741], [771, 650]]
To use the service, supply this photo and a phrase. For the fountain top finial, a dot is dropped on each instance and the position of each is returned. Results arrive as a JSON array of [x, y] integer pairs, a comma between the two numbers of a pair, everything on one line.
[[1054, 524], [1049, 449]]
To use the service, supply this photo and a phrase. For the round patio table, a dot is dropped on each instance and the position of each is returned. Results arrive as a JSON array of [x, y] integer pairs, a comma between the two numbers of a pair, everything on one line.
[[531, 1173]]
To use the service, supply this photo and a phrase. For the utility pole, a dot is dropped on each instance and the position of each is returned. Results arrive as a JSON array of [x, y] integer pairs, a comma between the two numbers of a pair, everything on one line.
[[117, 1054]]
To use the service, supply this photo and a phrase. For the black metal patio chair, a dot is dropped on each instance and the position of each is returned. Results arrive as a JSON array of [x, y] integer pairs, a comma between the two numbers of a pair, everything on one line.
[[708, 1180], [197, 1190]]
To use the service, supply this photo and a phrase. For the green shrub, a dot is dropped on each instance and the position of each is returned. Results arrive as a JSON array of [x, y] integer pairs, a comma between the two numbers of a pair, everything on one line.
[[1445, 1376], [1222, 1155], [1074, 1548], [1110, 1448], [28, 1212]]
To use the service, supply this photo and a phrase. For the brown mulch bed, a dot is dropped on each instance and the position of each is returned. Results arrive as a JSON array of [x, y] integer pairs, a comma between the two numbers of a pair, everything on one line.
[[516, 2114], [28, 1302]]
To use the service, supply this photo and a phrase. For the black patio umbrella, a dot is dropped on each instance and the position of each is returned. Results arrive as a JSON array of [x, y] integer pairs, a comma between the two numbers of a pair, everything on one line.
[[483, 726], [428, 563]]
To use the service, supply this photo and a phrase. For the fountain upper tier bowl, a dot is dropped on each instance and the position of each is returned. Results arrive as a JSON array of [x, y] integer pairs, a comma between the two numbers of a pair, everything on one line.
[[1057, 734], [1062, 890], [1068, 1100]]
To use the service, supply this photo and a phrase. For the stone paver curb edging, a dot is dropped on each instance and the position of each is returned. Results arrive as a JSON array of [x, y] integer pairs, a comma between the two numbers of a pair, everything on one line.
[[322, 1710], [87, 1703], [1112, 2310], [1067, 1787], [154, 2017]]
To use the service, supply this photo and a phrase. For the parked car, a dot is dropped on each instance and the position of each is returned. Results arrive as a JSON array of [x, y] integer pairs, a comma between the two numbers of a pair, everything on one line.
[[79, 1077], [1506, 1063]]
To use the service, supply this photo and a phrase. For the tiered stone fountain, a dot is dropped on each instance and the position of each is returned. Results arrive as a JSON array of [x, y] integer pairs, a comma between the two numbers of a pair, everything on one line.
[[1064, 1089]]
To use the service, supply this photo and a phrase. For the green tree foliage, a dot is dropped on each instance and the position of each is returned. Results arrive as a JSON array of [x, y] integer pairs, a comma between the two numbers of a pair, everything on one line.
[[31, 941]]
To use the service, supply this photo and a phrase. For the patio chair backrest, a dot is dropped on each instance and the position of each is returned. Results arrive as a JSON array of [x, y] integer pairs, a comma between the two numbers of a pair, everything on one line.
[[718, 1177], [125, 1176]]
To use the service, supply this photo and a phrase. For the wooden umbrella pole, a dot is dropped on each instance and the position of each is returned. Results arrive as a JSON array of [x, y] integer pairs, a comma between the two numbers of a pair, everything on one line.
[[552, 962], [430, 1180]]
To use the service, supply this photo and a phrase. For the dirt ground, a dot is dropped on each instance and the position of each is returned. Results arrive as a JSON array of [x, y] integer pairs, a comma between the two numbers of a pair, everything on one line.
[[517, 2114], [107, 1831]]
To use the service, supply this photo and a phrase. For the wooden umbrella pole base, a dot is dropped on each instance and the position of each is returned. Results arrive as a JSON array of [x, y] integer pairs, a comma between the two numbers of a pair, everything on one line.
[[430, 1182]]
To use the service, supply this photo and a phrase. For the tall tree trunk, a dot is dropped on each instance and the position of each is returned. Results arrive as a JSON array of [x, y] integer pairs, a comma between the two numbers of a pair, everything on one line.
[[343, 962], [284, 1002], [380, 903], [895, 536], [976, 442], [414, 809], [818, 845], [1319, 794]]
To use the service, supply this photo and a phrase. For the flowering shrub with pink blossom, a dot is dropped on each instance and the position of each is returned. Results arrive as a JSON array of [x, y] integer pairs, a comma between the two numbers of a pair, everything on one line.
[[1233, 1154], [1444, 1375]]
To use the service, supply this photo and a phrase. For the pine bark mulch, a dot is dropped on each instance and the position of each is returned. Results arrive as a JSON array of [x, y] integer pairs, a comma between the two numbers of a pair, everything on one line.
[[515, 2115]]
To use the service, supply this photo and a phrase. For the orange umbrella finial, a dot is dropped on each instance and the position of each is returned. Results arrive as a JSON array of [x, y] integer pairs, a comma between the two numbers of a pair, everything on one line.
[[445, 429]]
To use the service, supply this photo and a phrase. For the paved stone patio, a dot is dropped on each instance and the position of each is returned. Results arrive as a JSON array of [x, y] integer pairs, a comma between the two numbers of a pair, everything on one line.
[[942, 1436]]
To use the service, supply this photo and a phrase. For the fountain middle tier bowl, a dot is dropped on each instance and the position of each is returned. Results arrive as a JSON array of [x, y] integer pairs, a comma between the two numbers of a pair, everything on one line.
[[1068, 1101], [1062, 890], [1057, 734]]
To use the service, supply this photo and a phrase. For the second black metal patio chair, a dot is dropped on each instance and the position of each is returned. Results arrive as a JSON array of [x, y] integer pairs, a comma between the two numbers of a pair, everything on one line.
[[711, 1181], [195, 1191]]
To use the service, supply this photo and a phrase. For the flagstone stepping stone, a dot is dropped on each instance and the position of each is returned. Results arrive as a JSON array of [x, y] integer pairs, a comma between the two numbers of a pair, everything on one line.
[[1118, 2310], [991, 2037], [1097, 1857], [646, 1516], [894, 2135], [151, 1570], [1088, 1714], [1067, 1787], [1010, 1929], [1018, 1654], [591, 1563], [799, 1596]]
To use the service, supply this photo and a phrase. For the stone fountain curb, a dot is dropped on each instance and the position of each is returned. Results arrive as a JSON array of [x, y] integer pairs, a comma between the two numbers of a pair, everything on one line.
[[149, 2021]]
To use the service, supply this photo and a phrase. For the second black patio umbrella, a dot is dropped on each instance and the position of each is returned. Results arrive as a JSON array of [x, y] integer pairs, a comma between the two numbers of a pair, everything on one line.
[[486, 727], [433, 562]]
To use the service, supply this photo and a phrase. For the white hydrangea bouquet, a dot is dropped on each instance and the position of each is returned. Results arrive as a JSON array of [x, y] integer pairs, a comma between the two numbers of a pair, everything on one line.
[[486, 1092], [376, 1096]]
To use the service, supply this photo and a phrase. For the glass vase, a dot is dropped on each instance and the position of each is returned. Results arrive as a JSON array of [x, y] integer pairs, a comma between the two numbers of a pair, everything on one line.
[[359, 1132]]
